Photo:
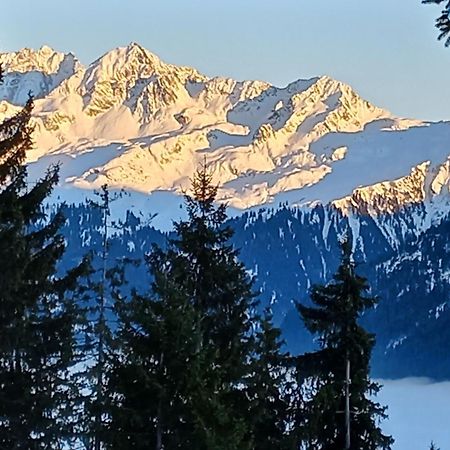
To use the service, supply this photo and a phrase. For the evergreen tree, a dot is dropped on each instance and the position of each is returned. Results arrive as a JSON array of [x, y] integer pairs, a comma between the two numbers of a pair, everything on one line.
[[103, 291], [272, 391], [97, 351], [101, 336], [443, 21], [37, 316], [159, 347], [344, 347], [187, 379]]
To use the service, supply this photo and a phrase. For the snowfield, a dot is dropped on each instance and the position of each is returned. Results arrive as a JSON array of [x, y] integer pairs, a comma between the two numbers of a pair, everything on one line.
[[137, 123]]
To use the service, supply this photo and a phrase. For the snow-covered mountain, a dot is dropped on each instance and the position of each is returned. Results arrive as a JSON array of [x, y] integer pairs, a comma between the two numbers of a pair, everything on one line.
[[37, 72], [139, 124], [135, 122], [291, 249]]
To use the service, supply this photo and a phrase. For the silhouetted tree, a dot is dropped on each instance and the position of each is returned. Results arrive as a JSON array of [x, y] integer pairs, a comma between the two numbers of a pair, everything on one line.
[[338, 373], [443, 21], [37, 313], [199, 368]]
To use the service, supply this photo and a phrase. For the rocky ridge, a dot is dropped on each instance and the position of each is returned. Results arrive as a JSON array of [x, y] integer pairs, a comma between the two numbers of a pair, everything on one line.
[[137, 123]]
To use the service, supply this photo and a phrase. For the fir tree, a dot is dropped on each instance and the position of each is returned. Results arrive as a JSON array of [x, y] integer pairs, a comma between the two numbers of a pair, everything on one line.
[[37, 316], [274, 399], [187, 379], [344, 347], [103, 291], [159, 346]]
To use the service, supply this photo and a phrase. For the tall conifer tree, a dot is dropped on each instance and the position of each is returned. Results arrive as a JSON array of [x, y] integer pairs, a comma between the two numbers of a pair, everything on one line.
[[344, 344], [103, 292], [274, 400], [187, 379], [37, 318]]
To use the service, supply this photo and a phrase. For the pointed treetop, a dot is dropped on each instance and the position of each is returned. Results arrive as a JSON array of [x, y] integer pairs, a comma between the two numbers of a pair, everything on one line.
[[346, 245], [201, 201]]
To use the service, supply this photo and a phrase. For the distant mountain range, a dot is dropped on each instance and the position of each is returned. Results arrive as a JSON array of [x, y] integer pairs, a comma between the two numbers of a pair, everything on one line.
[[136, 123], [288, 250], [319, 160]]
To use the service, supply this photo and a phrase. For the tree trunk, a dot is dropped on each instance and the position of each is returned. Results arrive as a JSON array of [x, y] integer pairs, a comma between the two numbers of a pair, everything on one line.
[[347, 404]]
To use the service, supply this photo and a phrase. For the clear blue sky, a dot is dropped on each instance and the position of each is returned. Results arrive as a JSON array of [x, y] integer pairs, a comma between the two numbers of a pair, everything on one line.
[[386, 49]]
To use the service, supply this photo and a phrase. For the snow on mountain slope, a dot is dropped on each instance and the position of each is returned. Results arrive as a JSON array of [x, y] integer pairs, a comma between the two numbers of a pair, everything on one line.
[[136, 123], [35, 72]]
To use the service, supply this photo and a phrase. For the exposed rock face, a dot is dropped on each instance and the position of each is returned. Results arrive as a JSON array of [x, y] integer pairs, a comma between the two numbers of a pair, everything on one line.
[[35, 72], [135, 122], [389, 196], [138, 123]]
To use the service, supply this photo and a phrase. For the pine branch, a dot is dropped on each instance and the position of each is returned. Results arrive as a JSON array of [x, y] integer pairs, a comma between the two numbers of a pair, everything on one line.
[[442, 23]]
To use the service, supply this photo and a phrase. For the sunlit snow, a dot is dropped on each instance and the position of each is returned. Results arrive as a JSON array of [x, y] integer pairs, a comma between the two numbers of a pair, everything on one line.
[[137, 123]]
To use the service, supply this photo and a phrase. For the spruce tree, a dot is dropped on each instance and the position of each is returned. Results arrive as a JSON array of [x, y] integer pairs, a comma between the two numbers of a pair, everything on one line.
[[159, 347], [37, 315], [190, 349], [102, 293], [272, 391], [344, 344]]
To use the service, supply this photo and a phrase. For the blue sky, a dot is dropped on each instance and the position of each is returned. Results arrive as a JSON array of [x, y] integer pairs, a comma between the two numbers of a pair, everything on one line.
[[386, 49]]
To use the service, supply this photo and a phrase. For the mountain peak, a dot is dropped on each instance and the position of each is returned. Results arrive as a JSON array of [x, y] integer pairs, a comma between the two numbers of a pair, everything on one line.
[[133, 48], [136, 46], [132, 53], [313, 140], [37, 71], [46, 49], [46, 60], [124, 63]]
